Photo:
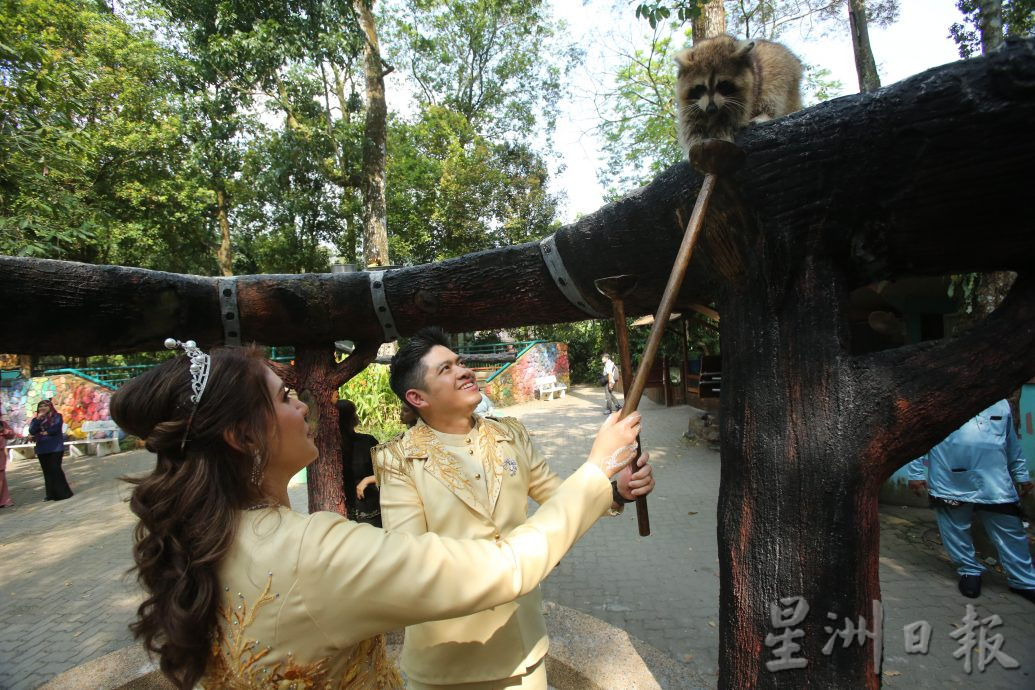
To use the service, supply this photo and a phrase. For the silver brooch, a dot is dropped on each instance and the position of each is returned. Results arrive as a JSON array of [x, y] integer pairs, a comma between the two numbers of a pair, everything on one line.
[[511, 466]]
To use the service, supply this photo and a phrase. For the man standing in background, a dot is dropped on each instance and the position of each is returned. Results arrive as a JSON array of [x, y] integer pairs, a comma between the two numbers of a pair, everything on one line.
[[608, 379], [979, 467]]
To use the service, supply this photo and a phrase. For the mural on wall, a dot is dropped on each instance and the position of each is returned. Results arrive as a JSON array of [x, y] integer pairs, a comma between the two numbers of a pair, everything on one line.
[[516, 383], [76, 399]]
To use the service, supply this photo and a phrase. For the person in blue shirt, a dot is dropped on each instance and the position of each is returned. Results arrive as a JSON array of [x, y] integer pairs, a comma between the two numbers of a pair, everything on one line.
[[980, 467], [485, 408]]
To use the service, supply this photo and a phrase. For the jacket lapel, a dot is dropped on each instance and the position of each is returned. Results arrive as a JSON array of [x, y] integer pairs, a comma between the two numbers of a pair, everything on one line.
[[421, 444], [490, 436]]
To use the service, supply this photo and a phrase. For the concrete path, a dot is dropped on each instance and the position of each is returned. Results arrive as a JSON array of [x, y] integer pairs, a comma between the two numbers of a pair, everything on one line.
[[65, 598]]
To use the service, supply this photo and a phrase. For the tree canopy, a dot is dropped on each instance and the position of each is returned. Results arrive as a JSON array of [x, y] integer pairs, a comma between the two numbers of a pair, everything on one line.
[[94, 162]]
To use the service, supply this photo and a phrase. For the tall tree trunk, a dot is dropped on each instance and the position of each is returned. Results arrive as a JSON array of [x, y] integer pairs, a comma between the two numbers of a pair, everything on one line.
[[339, 93], [325, 477], [801, 470], [865, 65], [782, 330], [375, 215], [990, 24], [348, 182], [317, 377], [711, 21], [225, 255]]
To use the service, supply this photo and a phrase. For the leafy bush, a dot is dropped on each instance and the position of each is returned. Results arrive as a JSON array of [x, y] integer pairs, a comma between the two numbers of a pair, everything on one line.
[[376, 404]]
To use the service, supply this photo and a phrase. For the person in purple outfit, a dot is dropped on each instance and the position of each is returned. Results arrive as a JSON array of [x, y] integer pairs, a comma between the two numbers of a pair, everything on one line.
[[46, 429]]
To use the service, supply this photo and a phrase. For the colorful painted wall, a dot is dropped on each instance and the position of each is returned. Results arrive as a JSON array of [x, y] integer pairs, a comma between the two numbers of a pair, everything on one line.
[[516, 383], [76, 399]]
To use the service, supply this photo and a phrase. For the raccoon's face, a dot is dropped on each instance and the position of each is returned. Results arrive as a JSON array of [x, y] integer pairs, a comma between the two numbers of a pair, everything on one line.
[[714, 94]]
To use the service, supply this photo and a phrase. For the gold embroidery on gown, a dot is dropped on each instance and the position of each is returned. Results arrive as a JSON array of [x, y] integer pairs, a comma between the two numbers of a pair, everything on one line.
[[235, 660]]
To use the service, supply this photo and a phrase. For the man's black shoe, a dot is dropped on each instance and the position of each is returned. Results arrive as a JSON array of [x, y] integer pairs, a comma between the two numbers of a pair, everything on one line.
[[970, 586], [1028, 594]]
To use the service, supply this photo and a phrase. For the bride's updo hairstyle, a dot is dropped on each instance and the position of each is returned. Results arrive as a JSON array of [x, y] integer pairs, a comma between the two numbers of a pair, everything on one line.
[[188, 505]]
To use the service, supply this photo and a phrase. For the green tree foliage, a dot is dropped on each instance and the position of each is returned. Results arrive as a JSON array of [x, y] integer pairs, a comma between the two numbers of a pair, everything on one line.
[[659, 13], [242, 56], [638, 122], [499, 63], [93, 166], [288, 213], [376, 405], [453, 191], [465, 172], [1018, 20], [765, 18]]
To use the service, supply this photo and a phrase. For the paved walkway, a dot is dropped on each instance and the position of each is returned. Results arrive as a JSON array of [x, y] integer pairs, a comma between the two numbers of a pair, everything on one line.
[[65, 598]]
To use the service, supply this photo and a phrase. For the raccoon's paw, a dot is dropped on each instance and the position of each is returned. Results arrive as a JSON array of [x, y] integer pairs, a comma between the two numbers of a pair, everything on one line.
[[688, 141], [761, 117]]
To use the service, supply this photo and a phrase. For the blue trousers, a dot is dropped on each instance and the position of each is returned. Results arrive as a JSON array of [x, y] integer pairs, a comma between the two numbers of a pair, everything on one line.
[[1005, 531]]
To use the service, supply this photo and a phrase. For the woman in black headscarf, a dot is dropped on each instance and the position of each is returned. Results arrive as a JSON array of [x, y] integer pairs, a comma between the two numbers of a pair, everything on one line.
[[362, 495]]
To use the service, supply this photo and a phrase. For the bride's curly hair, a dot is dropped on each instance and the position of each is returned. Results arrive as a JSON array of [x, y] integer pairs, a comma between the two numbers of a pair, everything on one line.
[[188, 506]]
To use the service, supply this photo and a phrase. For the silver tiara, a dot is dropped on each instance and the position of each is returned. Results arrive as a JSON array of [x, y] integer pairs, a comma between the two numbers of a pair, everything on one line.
[[200, 363]]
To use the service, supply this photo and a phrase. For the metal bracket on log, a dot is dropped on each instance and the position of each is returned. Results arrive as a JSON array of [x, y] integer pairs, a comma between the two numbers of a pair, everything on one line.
[[380, 301], [231, 317], [563, 281]]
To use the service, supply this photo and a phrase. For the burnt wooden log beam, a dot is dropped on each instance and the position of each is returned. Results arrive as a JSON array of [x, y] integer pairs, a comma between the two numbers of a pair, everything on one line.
[[926, 176]]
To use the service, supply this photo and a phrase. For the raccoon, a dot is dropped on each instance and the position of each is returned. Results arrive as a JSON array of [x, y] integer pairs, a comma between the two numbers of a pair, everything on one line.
[[724, 84]]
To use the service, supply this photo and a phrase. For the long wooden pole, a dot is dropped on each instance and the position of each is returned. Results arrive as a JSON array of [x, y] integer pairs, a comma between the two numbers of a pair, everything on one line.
[[713, 157], [615, 291], [668, 298]]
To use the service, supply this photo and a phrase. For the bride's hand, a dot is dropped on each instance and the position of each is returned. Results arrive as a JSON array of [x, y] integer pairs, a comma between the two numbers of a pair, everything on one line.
[[615, 444]]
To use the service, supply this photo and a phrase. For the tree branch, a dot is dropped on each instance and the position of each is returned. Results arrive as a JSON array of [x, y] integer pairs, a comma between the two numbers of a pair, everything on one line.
[[364, 354], [964, 374]]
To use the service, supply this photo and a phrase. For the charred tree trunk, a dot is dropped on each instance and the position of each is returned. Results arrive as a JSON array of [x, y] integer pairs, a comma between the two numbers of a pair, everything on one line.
[[787, 399], [809, 434]]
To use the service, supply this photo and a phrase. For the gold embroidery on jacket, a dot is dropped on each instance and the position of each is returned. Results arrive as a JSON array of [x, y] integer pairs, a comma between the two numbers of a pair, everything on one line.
[[492, 463], [234, 663], [394, 457]]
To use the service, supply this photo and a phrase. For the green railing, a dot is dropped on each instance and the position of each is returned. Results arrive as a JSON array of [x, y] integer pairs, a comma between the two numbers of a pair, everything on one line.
[[496, 348], [109, 377], [517, 348]]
